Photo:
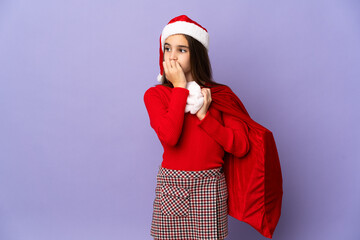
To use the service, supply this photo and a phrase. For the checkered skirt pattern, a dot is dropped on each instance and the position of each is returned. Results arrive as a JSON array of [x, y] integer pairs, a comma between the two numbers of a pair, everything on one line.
[[190, 205]]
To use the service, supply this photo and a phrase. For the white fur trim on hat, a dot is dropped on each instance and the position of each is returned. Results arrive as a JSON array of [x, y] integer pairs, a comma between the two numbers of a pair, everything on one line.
[[187, 28], [159, 78]]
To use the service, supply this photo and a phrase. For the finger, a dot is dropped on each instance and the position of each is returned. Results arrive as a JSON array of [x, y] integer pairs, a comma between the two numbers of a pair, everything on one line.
[[165, 66], [203, 91], [168, 66], [172, 64], [207, 94], [209, 91], [178, 66]]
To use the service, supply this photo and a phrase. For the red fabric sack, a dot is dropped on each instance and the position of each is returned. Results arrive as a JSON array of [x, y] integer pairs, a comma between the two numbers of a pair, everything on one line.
[[254, 181]]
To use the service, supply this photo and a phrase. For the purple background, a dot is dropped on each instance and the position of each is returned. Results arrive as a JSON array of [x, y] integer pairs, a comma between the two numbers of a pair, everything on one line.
[[78, 158]]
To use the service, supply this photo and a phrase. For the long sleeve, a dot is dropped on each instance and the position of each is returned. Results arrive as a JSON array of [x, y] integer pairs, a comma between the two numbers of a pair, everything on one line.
[[233, 137], [167, 121]]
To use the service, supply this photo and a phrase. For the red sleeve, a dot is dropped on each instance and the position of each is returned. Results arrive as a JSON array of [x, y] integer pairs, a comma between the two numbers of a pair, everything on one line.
[[167, 121], [233, 137]]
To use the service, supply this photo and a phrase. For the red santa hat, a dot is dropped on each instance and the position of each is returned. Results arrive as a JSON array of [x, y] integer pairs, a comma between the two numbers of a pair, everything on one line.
[[181, 25]]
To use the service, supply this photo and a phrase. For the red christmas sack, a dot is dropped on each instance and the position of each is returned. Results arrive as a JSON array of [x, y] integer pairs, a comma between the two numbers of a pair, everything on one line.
[[254, 181]]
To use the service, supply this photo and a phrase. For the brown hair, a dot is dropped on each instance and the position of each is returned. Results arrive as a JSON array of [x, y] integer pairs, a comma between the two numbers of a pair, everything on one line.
[[199, 62]]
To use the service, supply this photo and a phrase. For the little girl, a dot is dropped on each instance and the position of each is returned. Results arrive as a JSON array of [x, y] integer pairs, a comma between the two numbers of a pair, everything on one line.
[[196, 133]]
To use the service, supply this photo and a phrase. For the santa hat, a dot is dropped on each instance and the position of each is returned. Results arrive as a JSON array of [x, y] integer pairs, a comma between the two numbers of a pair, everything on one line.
[[181, 25]]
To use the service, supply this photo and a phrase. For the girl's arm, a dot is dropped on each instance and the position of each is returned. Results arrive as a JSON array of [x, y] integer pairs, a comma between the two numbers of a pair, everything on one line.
[[233, 137], [167, 121]]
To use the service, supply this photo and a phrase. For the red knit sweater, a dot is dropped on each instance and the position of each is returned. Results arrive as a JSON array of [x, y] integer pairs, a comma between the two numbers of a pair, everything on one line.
[[189, 143]]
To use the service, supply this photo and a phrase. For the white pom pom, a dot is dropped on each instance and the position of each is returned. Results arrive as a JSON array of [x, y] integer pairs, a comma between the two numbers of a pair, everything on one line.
[[159, 78]]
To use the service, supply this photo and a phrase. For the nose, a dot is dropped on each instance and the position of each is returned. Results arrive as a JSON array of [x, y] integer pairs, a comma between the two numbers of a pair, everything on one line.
[[173, 55]]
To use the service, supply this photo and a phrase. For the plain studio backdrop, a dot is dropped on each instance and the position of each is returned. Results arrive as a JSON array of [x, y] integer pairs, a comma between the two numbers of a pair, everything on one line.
[[78, 158]]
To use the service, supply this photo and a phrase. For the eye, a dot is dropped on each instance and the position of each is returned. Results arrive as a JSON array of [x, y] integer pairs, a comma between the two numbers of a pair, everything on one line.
[[166, 49], [183, 50]]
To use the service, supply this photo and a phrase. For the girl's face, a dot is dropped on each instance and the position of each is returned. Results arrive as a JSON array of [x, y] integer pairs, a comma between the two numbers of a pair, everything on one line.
[[177, 48]]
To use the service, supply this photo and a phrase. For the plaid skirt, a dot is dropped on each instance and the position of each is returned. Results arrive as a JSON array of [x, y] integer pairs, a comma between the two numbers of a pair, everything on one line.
[[190, 205]]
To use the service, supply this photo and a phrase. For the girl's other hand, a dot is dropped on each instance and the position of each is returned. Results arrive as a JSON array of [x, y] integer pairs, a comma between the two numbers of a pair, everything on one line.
[[207, 101], [174, 73]]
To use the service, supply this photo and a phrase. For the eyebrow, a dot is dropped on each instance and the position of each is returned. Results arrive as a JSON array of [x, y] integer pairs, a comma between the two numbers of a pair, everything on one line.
[[177, 45]]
